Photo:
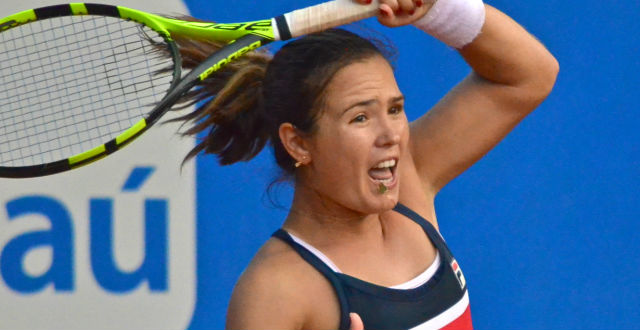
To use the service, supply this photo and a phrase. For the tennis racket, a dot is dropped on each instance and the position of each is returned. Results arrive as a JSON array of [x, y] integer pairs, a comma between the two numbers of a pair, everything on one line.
[[80, 81]]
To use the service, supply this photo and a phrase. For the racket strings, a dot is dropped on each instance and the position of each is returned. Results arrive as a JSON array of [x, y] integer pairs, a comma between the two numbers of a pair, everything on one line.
[[78, 124], [35, 71], [78, 84], [72, 83]]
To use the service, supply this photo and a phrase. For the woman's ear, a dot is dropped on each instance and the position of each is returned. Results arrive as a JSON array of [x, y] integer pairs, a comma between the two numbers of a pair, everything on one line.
[[294, 143]]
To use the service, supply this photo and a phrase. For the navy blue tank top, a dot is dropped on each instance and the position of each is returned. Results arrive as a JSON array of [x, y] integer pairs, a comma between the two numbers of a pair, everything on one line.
[[442, 302]]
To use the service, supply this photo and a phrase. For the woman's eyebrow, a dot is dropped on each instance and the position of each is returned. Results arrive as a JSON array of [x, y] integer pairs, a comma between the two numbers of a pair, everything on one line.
[[365, 103], [396, 99], [360, 104]]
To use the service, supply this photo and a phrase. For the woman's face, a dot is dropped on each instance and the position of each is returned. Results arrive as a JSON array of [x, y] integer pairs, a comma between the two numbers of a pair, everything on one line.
[[361, 134]]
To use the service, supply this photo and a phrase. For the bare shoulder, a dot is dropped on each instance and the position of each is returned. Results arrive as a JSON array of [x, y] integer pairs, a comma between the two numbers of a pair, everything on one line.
[[279, 290]]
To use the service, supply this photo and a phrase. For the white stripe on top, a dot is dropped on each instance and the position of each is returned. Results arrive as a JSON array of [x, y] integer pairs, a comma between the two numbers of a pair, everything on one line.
[[317, 252], [417, 281], [423, 278]]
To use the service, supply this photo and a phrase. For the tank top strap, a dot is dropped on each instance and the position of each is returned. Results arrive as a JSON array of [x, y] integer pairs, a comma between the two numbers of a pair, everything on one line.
[[325, 270], [433, 234]]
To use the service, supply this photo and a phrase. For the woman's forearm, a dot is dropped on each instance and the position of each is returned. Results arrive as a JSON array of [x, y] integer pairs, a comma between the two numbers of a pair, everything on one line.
[[505, 53]]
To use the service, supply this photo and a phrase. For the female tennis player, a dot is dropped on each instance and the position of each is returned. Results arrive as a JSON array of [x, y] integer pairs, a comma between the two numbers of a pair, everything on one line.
[[360, 246]]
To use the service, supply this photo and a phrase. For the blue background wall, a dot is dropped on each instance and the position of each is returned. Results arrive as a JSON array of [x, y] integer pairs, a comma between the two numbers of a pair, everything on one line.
[[545, 226]]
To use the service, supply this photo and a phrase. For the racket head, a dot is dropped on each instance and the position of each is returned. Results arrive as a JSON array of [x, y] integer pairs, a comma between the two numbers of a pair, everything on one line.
[[25, 151], [78, 82]]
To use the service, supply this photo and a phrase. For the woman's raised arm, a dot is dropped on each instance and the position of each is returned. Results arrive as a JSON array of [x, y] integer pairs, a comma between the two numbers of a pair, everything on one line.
[[512, 74]]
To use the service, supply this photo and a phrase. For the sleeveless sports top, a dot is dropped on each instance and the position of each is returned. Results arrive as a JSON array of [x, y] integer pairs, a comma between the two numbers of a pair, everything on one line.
[[439, 302]]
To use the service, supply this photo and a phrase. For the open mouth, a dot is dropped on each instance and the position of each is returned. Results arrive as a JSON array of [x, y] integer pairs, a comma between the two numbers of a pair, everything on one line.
[[384, 173]]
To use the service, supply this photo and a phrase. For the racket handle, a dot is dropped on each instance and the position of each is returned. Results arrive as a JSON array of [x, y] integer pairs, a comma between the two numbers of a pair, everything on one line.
[[328, 15]]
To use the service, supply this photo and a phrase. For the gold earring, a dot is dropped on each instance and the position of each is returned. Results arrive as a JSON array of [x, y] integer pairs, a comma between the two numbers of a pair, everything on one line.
[[300, 163]]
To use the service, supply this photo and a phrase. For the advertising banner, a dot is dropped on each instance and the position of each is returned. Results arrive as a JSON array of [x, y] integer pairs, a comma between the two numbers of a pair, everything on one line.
[[107, 246]]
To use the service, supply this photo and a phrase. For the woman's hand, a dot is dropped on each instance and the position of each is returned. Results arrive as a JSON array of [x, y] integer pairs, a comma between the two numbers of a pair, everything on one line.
[[356, 322], [401, 12]]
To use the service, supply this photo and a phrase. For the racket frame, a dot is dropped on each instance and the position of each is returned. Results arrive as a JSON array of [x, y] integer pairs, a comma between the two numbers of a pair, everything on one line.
[[241, 37]]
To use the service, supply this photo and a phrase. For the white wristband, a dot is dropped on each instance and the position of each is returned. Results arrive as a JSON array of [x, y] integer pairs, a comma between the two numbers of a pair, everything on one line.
[[454, 22]]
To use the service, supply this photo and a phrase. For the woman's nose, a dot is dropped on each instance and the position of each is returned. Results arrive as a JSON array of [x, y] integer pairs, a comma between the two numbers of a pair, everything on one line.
[[389, 133]]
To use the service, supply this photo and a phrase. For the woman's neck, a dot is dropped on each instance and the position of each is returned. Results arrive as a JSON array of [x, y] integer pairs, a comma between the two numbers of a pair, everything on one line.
[[320, 220]]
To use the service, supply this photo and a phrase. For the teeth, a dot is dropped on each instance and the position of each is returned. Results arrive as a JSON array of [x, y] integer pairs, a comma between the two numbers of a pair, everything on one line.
[[385, 164], [385, 181]]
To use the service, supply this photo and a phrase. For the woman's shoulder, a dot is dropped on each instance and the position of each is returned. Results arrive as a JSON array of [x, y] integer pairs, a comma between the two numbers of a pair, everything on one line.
[[274, 267], [278, 288]]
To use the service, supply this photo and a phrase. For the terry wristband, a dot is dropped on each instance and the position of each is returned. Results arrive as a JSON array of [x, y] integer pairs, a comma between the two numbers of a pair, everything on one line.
[[454, 22]]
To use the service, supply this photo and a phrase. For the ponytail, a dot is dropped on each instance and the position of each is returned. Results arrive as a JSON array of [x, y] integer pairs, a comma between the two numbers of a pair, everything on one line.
[[229, 104]]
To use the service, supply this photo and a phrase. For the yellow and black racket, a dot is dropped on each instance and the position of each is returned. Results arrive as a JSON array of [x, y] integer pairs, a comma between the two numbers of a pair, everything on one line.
[[79, 81]]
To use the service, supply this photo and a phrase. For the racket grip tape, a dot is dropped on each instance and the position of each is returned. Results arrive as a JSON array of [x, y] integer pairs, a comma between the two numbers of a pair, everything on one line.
[[328, 15]]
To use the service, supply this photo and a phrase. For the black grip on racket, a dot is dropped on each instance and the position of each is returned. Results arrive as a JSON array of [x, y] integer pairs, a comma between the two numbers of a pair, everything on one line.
[[283, 28]]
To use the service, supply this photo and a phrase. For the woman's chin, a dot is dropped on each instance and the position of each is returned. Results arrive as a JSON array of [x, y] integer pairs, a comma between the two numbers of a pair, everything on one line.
[[381, 202]]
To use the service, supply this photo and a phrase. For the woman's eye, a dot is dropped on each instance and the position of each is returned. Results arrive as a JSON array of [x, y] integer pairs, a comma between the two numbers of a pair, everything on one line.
[[359, 119], [395, 110]]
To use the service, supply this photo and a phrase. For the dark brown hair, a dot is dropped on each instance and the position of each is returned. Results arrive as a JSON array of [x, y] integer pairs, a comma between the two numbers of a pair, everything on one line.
[[242, 106]]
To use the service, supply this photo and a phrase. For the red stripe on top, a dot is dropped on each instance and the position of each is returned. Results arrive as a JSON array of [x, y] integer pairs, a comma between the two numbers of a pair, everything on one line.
[[463, 322]]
